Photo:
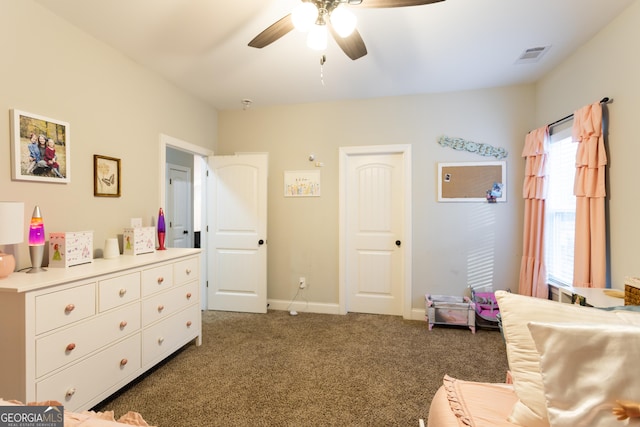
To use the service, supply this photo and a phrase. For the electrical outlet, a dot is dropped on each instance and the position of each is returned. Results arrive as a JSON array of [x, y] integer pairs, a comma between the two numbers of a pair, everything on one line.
[[302, 282]]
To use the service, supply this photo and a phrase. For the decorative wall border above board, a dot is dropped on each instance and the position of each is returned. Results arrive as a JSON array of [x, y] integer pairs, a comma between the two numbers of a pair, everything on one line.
[[473, 147]]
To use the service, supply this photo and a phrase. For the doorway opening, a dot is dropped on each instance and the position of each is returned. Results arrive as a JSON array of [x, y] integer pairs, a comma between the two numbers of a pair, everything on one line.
[[198, 155]]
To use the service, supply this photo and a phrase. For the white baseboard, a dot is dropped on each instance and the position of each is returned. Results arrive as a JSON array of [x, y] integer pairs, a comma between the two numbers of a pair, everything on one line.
[[324, 308], [303, 306]]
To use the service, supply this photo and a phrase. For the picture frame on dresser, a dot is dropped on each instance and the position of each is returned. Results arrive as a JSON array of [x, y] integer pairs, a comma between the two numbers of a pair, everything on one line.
[[107, 181], [30, 159]]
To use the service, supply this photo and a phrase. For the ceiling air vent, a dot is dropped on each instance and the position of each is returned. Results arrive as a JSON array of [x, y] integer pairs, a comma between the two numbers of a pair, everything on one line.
[[532, 55]]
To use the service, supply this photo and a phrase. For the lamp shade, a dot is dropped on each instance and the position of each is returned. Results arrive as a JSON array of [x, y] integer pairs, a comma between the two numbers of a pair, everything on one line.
[[11, 223], [304, 16], [36, 228], [343, 21], [317, 37]]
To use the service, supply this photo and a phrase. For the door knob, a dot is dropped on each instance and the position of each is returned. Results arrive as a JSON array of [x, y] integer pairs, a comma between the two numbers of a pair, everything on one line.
[[260, 242], [398, 243]]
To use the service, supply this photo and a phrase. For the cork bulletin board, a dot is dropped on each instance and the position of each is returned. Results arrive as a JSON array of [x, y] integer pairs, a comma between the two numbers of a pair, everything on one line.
[[469, 181]]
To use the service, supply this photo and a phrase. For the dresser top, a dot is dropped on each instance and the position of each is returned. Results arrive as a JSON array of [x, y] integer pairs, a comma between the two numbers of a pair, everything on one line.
[[23, 282]]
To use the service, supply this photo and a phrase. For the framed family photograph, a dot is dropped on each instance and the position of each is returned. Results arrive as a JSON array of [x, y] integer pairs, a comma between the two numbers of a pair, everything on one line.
[[106, 176], [40, 148]]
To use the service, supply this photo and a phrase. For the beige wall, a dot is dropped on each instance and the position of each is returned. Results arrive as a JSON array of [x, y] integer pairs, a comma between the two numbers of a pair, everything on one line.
[[113, 106], [607, 66], [452, 242], [116, 108]]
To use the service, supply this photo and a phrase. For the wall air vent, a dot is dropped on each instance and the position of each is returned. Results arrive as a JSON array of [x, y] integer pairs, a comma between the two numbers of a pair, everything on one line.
[[532, 55]]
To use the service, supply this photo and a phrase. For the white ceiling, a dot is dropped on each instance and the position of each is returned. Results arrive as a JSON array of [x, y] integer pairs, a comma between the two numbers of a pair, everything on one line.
[[201, 45]]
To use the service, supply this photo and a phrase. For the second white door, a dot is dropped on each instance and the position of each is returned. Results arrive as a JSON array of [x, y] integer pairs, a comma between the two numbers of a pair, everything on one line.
[[375, 233], [179, 207], [238, 249]]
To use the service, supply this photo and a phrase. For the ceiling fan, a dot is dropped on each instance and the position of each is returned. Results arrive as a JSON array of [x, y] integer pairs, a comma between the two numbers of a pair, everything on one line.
[[323, 16]]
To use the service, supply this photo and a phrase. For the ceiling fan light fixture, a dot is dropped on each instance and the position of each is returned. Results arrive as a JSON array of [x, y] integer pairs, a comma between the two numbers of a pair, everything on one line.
[[304, 16], [317, 37], [343, 21]]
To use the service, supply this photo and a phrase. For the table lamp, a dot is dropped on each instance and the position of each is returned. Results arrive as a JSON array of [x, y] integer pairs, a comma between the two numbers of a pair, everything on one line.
[[162, 229], [11, 232], [36, 241]]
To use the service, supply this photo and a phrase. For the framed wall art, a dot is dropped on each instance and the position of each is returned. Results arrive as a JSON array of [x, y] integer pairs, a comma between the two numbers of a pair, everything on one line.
[[302, 183], [40, 148], [107, 181], [472, 181]]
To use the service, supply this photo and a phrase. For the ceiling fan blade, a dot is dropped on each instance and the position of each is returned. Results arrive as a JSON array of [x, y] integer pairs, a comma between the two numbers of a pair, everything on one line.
[[352, 45], [395, 3], [273, 32]]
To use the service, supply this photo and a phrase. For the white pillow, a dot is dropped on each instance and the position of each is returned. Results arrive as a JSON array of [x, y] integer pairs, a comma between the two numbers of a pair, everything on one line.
[[585, 369], [524, 362]]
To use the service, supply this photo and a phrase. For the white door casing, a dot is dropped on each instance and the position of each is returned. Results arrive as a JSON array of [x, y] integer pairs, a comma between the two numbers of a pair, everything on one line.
[[179, 208], [238, 233], [375, 230], [202, 153]]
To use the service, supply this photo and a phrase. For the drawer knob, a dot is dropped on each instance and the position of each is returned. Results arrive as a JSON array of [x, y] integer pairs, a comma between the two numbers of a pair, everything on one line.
[[188, 323], [160, 308], [188, 295], [188, 271], [123, 324], [70, 347], [69, 308], [123, 362], [122, 292], [160, 340], [71, 392], [160, 280]]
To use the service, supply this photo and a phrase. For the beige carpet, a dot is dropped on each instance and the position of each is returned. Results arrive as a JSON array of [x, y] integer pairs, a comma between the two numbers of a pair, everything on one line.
[[310, 370]]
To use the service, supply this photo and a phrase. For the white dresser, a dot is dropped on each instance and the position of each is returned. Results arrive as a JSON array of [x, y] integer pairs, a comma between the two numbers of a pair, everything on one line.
[[78, 334]]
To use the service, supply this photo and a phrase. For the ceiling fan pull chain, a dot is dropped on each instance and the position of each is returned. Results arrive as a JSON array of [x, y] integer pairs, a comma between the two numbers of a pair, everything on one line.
[[323, 59]]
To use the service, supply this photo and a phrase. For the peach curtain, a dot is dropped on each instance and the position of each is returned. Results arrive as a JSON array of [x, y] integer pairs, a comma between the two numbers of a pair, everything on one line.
[[589, 265], [533, 274]]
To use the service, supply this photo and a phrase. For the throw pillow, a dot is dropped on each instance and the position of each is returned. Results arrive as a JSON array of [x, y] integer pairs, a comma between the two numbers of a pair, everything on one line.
[[585, 368], [516, 312]]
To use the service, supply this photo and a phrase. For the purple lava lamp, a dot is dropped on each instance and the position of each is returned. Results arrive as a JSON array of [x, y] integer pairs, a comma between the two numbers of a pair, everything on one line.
[[161, 230]]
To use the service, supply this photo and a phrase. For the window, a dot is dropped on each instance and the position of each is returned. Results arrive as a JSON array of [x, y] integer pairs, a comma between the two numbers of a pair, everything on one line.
[[560, 208]]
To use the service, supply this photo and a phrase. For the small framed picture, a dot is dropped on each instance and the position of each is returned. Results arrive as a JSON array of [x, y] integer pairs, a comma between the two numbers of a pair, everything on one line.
[[106, 176], [40, 148], [304, 183]]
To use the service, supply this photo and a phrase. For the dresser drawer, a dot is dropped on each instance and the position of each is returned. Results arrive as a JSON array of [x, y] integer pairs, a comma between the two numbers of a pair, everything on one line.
[[160, 306], [170, 334], [186, 270], [56, 350], [87, 379], [64, 307], [157, 279], [118, 291]]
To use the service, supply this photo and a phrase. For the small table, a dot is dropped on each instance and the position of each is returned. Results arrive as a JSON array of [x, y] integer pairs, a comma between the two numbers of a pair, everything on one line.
[[595, 297]]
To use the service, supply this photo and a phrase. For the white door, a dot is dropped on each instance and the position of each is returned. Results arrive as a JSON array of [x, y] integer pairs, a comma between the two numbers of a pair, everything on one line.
[[375, 233], [238, 232], [178, 215]]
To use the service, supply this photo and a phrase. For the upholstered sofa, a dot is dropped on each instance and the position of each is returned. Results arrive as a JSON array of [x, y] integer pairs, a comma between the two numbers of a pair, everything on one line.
[[569, 366]]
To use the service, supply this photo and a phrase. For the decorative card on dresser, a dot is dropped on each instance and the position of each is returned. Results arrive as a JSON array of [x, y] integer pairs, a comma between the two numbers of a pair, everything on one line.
[[77, 335]]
